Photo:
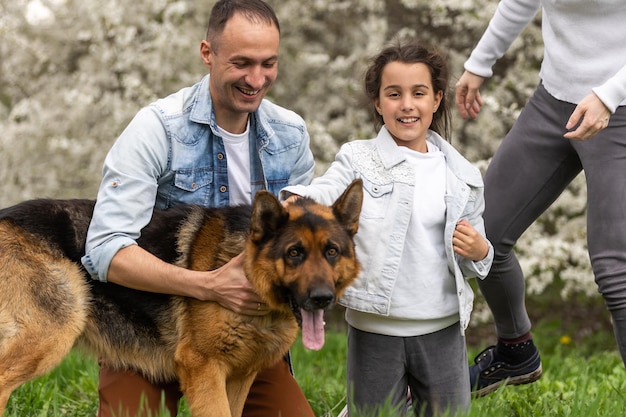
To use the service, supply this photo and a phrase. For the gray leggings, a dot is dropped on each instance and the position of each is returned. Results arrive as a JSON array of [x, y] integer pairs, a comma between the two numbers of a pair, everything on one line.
[[434, 366], [530, 169]]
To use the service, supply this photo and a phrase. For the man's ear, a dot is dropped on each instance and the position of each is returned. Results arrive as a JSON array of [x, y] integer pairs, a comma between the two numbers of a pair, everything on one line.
[[205, 53]]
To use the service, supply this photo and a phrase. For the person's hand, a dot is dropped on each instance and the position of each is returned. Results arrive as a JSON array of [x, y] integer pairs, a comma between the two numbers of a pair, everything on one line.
[[468, 99], [468, 243], [291, 199], [591, 116], [229, 287]]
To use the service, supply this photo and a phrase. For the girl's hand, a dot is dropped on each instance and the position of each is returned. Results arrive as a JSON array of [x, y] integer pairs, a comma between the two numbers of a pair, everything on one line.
[[468, 243]]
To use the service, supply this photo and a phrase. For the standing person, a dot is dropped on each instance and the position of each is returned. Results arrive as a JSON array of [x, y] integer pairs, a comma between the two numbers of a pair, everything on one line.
[[575, 120], [420, 236], [215, 143]]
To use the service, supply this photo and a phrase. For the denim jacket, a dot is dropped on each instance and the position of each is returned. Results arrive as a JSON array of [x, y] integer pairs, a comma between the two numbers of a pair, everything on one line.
[[170, 153], [389, 185]]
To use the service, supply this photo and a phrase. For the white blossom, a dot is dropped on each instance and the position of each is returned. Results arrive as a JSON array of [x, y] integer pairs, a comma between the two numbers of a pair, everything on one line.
[[73, 73]]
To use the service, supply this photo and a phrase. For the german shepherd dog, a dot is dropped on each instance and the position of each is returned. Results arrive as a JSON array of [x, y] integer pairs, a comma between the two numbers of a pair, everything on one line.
[[299, 258]]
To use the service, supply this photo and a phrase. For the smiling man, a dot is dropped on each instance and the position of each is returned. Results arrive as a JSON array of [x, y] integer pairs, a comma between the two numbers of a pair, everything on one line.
[[243, 62], [215, 144]]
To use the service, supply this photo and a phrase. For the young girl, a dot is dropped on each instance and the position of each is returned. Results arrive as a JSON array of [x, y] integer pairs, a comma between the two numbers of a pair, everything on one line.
[[420, 236]]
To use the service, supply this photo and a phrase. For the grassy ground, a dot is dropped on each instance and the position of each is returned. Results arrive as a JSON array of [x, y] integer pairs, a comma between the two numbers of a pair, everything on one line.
[[576, 382], [583, 376]]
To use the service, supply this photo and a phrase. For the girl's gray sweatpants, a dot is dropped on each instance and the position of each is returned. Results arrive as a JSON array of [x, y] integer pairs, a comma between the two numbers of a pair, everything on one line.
[[434, 366]]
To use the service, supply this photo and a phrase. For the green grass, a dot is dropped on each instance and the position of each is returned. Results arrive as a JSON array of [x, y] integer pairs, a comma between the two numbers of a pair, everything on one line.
[[572, 385], [69, 390], [582, 378]]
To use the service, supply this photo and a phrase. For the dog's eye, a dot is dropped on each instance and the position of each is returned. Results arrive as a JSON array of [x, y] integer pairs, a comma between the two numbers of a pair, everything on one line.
[[294, 252], [332, 252]]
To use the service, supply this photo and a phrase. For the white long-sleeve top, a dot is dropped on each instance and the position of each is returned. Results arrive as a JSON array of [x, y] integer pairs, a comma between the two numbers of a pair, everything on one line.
[[584, 46]]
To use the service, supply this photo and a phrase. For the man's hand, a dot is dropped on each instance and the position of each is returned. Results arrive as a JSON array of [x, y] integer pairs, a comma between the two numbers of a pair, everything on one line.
[[229, 287], [591, 116]]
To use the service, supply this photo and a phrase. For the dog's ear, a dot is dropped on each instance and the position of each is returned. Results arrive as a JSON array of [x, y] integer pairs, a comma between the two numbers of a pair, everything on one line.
[[347, 207], [268, 215]]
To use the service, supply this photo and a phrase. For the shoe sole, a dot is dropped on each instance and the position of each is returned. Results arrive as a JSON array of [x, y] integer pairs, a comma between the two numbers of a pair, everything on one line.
[[516, 380]]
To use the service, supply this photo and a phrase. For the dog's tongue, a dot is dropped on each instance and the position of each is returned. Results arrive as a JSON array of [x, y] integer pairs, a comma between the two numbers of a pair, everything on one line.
[[313, 329]]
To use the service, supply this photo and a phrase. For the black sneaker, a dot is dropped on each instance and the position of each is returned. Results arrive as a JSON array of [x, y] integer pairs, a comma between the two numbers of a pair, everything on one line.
[[489, 373]]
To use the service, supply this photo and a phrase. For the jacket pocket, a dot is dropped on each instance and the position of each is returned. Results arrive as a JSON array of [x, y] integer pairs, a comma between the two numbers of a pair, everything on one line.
[[191, 186], [192, 179], [376, 199]]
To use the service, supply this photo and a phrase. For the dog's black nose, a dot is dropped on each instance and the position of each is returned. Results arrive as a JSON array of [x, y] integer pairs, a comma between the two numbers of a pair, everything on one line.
[[321, 298]]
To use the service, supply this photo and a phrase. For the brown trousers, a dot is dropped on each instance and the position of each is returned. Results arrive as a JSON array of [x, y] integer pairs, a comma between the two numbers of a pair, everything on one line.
[[274, 393]]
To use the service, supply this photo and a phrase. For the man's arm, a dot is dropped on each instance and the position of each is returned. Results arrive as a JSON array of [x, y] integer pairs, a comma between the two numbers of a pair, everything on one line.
[[136, 268], [126, 199]]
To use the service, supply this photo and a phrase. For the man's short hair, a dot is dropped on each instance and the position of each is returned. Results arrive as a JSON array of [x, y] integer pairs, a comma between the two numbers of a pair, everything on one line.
[[253, 10]]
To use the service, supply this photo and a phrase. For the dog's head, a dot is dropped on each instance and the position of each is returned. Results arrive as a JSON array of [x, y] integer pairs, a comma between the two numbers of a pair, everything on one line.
[[301, 257]]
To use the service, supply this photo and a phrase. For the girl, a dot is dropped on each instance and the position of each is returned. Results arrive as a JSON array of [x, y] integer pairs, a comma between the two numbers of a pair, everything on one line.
[[420, 236]]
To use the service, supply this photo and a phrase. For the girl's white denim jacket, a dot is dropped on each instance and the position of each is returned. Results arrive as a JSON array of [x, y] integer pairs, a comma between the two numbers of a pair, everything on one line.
[[389, 185]]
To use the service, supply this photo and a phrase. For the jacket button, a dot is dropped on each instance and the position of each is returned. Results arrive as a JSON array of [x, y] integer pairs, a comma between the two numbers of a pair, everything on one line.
[[223, 188]]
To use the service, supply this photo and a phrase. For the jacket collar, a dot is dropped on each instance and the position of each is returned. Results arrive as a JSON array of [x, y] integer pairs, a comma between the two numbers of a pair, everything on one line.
[[457, 164]]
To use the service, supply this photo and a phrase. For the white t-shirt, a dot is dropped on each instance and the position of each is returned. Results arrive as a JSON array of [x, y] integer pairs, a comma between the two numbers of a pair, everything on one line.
[[237, 148]]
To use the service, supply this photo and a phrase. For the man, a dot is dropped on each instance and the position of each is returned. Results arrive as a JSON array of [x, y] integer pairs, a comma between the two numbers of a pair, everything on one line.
[[215, 143]]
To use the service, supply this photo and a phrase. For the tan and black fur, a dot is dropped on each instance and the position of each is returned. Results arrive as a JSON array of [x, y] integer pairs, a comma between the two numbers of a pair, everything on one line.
[[299, 257]]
